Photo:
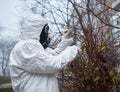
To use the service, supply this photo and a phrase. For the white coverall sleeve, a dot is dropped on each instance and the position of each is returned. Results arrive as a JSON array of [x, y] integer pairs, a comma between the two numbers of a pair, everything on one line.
[[61, 46], [35, 60]]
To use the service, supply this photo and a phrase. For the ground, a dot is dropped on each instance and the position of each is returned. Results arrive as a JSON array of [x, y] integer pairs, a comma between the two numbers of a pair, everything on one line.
[[5, 84]]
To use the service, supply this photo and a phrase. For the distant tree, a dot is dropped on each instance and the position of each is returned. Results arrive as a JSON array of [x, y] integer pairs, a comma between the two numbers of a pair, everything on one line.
[[6, 46]]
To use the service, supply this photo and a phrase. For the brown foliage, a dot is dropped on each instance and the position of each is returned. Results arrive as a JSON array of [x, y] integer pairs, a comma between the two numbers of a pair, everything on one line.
[[94, 70]]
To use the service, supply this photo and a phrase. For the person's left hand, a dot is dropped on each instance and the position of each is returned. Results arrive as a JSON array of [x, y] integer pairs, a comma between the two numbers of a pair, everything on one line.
[[68, 33]]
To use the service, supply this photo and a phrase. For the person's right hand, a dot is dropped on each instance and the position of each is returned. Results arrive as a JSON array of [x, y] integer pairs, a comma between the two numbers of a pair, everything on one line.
[[79, 51]]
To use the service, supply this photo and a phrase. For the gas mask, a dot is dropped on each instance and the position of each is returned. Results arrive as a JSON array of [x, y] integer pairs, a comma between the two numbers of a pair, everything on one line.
[[44, 38]]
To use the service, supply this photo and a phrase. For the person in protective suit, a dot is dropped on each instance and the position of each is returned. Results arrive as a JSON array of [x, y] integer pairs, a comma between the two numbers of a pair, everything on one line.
[[33, 66]]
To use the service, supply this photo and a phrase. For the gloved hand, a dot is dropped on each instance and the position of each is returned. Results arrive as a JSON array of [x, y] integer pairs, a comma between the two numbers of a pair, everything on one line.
[[68, 33]]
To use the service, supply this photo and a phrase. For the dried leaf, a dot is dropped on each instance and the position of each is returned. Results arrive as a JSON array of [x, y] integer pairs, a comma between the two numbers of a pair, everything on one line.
[[97, 78]]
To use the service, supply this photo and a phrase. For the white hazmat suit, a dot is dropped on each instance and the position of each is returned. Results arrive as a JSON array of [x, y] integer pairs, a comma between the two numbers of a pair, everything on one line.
[[33, 68]]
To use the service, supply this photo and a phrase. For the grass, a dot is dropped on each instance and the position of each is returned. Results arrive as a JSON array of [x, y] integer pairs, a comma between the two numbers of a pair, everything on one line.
[[4, 80], [6, 90]]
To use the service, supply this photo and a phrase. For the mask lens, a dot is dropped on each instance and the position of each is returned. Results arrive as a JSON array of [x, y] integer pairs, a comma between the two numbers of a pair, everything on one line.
[[46, 28]]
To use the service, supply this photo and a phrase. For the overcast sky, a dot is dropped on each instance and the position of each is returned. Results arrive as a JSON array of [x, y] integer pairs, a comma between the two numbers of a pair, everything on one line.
[[9, 15]]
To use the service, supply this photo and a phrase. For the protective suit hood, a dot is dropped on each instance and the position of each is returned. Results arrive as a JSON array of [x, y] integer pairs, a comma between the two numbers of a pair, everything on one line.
[[32, 26]]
